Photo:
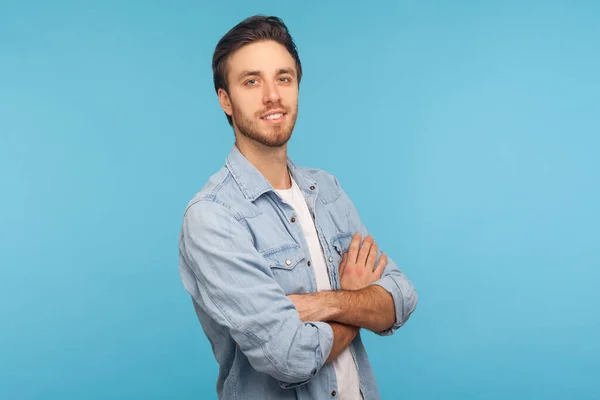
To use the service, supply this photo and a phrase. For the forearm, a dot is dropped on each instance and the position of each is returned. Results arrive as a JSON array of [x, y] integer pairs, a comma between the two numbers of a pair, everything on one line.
[[371, 308], [343, 335]]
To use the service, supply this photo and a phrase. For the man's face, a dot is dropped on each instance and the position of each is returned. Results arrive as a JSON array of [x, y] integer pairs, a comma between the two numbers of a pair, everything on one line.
[[263, 93]]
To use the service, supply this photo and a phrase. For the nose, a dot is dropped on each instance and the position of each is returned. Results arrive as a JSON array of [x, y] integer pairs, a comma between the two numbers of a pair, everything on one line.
[[271, 93]]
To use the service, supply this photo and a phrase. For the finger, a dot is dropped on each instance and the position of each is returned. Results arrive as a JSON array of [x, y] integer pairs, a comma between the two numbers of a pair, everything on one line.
[[381, 265], [354, 247], [372, 258], [364, 251], [342, 267]]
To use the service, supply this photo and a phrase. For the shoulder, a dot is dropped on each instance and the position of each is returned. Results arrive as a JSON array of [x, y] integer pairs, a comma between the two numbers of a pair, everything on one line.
[[219, 195]]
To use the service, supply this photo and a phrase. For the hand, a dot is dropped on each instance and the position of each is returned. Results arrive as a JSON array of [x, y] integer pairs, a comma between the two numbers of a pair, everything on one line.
[[357, 268], [312, 306]]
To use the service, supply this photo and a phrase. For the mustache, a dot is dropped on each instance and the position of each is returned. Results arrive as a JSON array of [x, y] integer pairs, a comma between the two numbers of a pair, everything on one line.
[[278, 107]]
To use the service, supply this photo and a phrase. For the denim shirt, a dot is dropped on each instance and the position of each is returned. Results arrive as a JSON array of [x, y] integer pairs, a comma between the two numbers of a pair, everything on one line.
[[241, 254]]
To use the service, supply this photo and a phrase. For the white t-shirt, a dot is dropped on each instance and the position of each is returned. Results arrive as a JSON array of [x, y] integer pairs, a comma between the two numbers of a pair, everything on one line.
[[344, 366]]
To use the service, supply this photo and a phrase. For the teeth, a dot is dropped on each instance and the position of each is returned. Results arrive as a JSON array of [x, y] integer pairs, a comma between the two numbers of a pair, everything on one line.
[[274, 116]]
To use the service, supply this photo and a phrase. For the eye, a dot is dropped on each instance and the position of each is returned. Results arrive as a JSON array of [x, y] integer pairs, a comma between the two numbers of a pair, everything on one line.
[[285, 80], [251, 82]]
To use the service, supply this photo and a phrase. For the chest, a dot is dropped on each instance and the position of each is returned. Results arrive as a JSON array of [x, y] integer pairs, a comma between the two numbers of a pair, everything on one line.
[[283, 235]]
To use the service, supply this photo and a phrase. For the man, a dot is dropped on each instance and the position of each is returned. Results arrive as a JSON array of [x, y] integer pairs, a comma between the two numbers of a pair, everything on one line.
[[281, 271]]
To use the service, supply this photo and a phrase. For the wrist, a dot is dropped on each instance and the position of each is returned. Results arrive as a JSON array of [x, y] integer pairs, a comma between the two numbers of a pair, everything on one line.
[[336, 303]]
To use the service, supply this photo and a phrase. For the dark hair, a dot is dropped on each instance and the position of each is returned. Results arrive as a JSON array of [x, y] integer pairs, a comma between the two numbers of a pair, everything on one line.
[[253, 29]]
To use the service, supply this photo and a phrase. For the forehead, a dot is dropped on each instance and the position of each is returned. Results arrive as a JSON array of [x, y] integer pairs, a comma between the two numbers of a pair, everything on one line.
[[265, 56]]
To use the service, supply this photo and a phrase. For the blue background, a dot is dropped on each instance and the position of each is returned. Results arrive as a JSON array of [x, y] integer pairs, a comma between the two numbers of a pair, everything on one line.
[[465, 132]]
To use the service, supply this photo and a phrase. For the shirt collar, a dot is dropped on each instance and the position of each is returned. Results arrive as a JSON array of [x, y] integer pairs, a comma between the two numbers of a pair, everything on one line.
[[253, 184]]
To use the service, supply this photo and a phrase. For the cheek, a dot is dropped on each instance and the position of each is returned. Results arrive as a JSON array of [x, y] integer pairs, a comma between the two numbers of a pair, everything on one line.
[[243, 113], [246, 103], [290, 97]]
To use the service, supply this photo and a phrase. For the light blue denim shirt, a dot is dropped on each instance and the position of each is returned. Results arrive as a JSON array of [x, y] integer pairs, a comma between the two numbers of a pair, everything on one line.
[[241, 255]]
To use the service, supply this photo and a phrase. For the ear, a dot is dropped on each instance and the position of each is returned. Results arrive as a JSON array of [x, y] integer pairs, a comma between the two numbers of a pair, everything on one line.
[[225, 101]]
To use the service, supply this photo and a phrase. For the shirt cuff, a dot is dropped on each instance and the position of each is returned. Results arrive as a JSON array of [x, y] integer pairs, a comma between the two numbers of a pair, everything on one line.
[[322, 354], [390, 285]]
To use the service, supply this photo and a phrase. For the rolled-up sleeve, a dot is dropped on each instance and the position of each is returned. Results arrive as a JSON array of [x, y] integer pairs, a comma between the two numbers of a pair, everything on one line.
[[229, 280], [392, 280], [403, 293]]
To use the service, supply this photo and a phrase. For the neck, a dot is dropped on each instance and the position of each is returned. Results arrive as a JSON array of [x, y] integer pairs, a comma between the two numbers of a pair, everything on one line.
[[271, 162]]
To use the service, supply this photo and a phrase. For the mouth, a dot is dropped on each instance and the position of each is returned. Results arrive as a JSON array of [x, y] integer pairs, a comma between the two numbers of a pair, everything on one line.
[[274, 117]]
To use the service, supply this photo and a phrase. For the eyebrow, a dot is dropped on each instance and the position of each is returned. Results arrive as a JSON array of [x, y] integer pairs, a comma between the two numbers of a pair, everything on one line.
[[280, 71], [244, 74]]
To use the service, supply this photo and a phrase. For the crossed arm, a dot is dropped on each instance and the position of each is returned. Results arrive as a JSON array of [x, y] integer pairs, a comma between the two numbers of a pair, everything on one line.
[[380, 299], [360, 303], [346, 312], [371, 308], [228, 280]]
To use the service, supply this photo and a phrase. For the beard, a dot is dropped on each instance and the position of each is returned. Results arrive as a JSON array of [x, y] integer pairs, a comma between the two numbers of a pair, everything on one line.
[[270, 136]]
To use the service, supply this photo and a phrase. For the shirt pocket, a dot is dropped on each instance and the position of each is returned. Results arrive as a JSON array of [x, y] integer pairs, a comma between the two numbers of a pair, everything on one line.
[[286, 263], [341, 242]]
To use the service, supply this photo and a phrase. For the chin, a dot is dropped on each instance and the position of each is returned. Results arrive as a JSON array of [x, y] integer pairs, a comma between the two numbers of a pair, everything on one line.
[[276, 141], [275, 135]]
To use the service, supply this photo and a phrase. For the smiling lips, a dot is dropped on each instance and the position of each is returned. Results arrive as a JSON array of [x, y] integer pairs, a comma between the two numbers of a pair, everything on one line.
[[274, 116]]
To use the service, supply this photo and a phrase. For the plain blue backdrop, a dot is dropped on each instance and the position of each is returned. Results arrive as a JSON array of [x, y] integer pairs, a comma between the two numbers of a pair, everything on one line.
[[467, 134]]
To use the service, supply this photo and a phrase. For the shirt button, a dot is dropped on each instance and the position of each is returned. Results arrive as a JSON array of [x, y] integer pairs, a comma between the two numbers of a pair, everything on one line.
[[312, 188], [333, 393], [308, 263], [293, 220], [330, 259], [288, 262]]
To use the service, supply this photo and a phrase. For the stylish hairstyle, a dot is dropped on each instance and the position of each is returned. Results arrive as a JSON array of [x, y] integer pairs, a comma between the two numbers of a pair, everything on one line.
[[253, 29]]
